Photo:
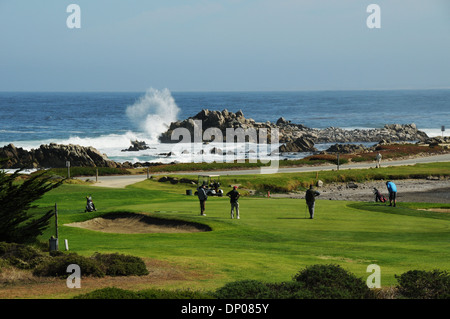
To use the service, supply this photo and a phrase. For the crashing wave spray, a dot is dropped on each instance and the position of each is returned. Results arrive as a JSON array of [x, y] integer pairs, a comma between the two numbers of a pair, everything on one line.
[[154, 112]]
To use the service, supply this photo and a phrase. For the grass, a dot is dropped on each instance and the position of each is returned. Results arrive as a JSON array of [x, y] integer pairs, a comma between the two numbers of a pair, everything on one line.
[[272, 241], [283, 182], [390, 151]]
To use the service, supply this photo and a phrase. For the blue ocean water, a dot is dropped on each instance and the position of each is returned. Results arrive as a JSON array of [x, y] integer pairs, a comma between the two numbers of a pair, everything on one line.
[[108, 121]]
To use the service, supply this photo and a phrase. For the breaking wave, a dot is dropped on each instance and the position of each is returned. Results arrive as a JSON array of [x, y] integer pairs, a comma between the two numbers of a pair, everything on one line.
[[153, 112]]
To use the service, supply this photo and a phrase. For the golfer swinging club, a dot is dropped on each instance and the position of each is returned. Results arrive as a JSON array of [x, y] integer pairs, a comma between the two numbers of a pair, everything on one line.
[[310, 198]]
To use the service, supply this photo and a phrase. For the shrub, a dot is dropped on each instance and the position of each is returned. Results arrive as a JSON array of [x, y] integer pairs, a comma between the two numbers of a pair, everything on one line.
[[109, 293], [57, 266], [176, 294], [244, 289], [332, 282], [121, 265], [117, 293], [20, 256], [288, 290], [420, 284]]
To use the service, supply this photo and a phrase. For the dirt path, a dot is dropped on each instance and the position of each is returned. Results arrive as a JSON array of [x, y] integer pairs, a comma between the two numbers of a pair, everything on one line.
[[408, 190], [122, 181]]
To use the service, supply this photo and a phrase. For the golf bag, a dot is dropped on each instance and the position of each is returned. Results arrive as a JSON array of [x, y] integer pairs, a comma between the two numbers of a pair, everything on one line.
[[379, 196], [90, 207]]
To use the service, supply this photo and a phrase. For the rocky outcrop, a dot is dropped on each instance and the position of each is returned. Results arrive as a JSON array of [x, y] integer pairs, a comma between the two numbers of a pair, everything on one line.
[[437, 141], [217, 122], [137, 146], [347, 148], [53, 156], [390, 132], [299, 145]]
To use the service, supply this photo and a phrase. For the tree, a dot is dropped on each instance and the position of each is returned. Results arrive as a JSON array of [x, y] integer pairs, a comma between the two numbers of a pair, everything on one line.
[[17, 224]]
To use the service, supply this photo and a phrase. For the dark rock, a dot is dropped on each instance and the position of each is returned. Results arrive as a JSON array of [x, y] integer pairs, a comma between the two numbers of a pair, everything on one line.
[[54, 156], [302, 144], [136, 146], [288, 132], [346, 148]]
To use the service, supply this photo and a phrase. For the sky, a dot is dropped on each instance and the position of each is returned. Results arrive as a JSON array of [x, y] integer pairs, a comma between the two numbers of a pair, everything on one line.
[[224, 45]]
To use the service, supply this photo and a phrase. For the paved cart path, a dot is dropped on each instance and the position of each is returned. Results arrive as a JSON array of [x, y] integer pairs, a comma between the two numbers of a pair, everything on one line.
[[121, 181]]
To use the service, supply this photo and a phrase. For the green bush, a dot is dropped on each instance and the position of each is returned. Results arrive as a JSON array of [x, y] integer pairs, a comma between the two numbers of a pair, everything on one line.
[[288, 290], [420, 284], [117, 293], [176, 294], [109, 293], [332, 282], [121, 265], [20, 256], [57, 266], [244, 289]]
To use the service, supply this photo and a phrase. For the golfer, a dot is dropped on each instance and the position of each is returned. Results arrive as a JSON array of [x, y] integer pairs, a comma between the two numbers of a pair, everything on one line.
[[378, 159], [234, 196], [310, 198], [202, 196], [392, 189]]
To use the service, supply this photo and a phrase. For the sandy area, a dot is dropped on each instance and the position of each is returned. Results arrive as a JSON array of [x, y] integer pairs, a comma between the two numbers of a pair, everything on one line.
[[137, 224], [408, 190]]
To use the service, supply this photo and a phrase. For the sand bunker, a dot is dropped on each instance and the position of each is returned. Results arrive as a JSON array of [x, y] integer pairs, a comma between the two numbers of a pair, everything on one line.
[[128, 223], [437, 210]]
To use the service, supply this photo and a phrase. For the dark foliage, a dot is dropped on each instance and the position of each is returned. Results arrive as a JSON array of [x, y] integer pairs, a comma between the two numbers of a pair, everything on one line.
[[332, 282], [57, 266], [17, 224], [121, 265], [421, 284]]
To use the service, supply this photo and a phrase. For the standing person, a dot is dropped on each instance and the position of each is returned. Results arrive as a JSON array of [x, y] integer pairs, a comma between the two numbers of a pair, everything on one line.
[[310, 198], [392, 188], [202, 196], [234, 196], [378, 159]]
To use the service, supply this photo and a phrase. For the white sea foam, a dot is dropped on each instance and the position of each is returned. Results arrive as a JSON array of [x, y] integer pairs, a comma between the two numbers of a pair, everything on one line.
[[436, 132], [153, 112]]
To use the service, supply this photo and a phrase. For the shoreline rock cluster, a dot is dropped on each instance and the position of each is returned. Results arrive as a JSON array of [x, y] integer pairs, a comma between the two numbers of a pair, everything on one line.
[[53, 156], [290, 133]]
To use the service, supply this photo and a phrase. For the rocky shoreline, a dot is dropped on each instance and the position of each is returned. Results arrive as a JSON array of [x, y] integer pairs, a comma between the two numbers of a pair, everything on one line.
[[288, 132], [294, 138], [54, 156]]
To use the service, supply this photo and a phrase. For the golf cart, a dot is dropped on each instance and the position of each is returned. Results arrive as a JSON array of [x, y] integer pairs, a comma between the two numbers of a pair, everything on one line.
[[212, 183]]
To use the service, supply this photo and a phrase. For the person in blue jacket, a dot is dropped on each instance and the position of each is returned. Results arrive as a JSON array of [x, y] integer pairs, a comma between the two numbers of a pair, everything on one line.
[[392, 188]]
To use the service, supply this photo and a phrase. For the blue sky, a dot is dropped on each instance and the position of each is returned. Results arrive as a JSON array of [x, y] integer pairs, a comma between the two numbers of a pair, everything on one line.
[[215, 45]]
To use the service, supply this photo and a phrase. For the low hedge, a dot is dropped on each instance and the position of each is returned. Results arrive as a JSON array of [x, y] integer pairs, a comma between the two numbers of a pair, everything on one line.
[[117, 293], [421, 284], [99, 265]]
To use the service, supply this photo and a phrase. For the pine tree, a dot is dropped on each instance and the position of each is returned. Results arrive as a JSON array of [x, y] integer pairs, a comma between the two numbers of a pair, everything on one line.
[[17, 224]]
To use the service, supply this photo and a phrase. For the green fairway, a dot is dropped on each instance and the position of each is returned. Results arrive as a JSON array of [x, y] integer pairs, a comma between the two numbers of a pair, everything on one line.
[[271, 242]]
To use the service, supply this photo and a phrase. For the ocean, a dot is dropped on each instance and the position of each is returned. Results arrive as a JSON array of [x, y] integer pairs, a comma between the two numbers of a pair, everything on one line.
[[108, 121]]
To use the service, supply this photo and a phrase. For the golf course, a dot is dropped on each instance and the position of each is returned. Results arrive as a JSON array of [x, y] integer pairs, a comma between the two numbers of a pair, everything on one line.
[[272, 241]]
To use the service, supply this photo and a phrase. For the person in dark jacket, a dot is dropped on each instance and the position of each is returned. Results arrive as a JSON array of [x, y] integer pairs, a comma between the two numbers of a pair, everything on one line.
[[202, 196], [234, 196], [310, 198]]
